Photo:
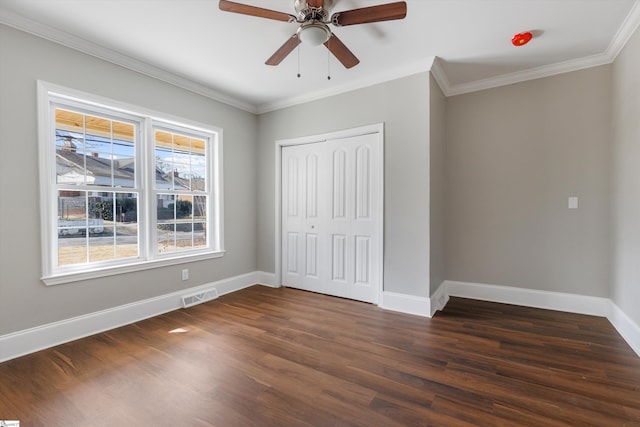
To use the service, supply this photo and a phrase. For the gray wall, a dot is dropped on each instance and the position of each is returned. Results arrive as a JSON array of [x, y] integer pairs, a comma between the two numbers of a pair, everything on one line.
[[476, 185], [403, 106], [625, 280], [437, 191], [24, 300], [514, 156]]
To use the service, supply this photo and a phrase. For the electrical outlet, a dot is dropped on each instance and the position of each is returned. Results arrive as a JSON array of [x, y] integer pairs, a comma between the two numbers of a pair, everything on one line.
[[185, 274]]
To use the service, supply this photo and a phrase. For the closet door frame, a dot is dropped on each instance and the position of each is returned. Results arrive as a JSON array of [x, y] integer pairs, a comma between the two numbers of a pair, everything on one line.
[[377, 129]]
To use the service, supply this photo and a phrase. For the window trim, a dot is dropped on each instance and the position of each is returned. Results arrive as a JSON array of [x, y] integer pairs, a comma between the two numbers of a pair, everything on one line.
[[49, 94]]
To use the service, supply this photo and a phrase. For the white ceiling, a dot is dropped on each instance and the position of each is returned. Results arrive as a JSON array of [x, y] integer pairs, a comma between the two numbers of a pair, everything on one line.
[[193, 44]]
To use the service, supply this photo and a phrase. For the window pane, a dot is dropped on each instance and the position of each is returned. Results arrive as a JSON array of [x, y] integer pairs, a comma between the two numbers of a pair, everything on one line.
[[100, 226], [198, 174], [166, 237], [70, 167], [96, 226], [113, 229], [200, 207], [126, 225], [72, 211], [199, 234], [92, 150], [72, 249], [198, 165], [184, 236], [184, 225], [126, 208], [175, 227], [126, 238], [164, 160], [72, 227], [184, 208], [101, 244], [180, 162], [165, 216], [100, 208]]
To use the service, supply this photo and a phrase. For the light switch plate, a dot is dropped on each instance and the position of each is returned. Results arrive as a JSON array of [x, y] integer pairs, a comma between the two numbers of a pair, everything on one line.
[[573, 203]]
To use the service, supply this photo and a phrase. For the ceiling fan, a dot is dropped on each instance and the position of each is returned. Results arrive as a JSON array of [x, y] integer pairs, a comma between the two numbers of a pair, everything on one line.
[[314, 20]]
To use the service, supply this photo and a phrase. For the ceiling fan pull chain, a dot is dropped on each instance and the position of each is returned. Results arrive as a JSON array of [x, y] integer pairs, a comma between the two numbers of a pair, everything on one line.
[[328, 65], [298, 61]]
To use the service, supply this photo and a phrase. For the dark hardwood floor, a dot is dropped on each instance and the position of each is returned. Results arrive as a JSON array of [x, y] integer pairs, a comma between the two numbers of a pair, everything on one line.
[[282, 357]]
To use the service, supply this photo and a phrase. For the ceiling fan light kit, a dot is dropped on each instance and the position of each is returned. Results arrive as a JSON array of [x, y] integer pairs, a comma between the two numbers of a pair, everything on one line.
[[314, 33], [314, 20]]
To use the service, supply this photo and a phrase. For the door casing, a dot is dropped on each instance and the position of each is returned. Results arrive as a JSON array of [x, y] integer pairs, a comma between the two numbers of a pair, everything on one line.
[[378, 129]]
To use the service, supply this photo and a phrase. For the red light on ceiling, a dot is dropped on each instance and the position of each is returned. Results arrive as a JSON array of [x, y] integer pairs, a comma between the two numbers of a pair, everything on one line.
[[521, 39]]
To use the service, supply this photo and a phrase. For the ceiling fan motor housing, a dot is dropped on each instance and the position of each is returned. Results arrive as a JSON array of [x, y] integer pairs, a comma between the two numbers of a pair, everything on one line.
[[310, 13]]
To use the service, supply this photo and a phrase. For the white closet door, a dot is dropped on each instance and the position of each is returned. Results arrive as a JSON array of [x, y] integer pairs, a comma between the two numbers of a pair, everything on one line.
[[331, 217], [302, 215]]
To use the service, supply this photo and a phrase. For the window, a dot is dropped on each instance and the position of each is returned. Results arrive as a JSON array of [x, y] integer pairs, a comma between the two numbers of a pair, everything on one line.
[[122, 188]]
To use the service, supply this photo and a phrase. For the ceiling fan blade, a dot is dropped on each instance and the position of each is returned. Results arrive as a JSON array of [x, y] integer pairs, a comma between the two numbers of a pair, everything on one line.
[[315, 3], [383, 12], [284, 50], [342, 52], [244, 9]]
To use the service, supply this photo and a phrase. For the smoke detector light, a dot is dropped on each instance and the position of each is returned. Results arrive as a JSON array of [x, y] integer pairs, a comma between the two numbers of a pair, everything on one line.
[[521, 39]]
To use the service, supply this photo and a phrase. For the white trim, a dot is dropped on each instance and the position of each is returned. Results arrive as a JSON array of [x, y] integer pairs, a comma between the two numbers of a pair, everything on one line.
[[41, 337], [38, 338], [529, 74], [440, 76], [626, 30], [422, 66], [409, 304], [50, 96], [345, 133], [622, 36], [65, 39], [559, 301], [267, 279], [94, 273], [627, 328], [439, 299]]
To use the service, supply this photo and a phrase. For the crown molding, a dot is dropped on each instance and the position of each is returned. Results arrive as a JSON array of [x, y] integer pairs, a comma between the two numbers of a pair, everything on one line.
[[396, 73], [526, 75], [63, 38], [626, 30], [622, 36], [440, 76], [432, 64]]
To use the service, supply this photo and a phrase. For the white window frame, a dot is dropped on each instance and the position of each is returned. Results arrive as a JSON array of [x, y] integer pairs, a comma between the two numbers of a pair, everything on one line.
[[51, 96]]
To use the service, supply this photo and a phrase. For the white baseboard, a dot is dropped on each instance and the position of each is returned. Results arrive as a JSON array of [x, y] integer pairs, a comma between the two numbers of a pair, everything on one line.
[[559, 301], [267, 279], [439, 299], [627, 328], [406, 303], [31, 340], [571, 303]]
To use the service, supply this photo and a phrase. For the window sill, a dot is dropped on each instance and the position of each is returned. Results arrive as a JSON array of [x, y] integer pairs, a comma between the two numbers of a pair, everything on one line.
[[60, 279]]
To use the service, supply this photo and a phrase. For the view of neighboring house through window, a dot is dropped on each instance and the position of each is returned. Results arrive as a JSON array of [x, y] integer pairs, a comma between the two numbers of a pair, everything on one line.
[[96, 183], [122, 188], [180, 184]]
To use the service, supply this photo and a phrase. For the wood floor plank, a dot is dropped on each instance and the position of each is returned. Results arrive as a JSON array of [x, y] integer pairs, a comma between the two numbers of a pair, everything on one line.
[[283, 357]]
